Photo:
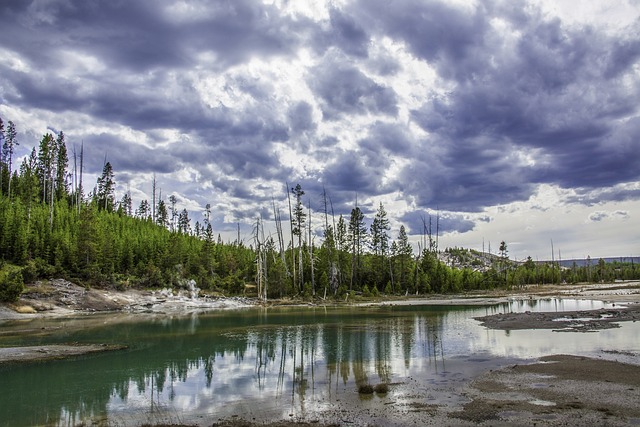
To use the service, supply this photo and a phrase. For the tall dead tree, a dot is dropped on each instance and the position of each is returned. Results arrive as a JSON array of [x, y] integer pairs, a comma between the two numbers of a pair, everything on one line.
[[293, 252], [153, 206], [313, 279]]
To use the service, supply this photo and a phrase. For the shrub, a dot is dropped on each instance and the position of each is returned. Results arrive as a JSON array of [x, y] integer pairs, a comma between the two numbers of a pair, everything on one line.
[[387, 289], [36, 269], [11, 285]]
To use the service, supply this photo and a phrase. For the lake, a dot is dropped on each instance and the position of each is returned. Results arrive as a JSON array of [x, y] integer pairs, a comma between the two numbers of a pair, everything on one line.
[[297, 363]]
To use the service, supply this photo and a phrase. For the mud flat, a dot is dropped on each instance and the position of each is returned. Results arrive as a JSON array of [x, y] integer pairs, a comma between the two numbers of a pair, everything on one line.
[[566, 321], [51, 352], [557, 390]]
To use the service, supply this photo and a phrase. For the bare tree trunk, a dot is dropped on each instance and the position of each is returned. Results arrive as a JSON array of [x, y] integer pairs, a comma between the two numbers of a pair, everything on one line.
[[336, 276], [313, 279], [75, 171], [153, 207], [278, 220], [80, 190], [293, 252]]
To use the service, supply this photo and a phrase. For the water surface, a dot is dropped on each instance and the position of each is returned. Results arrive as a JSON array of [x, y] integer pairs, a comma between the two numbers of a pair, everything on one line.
[[271, 364]]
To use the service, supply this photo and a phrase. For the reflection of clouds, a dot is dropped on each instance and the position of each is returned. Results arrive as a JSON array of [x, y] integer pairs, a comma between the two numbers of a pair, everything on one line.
[[274, 370]]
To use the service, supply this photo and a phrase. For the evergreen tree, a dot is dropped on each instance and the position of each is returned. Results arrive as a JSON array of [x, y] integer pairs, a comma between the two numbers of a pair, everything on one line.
[[380, 243], [46, 149], [106, 189], [174, 212], [62, 162], [342, 245], [29, 182], [126, 204], [298, 219], [144, 211], [404, 253], [8, 147], [357, 237], [1, 154], [183, 222], [162, 216]]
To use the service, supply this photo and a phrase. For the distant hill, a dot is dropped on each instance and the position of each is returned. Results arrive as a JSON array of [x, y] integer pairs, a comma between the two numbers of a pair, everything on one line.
[[585, 262], [479, 261]]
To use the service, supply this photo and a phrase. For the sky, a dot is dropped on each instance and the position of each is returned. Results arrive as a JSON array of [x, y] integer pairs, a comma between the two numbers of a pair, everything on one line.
[[509, 120]]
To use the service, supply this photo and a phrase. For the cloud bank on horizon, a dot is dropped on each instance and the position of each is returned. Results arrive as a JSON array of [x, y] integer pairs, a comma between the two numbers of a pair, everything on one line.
[[516, 120]]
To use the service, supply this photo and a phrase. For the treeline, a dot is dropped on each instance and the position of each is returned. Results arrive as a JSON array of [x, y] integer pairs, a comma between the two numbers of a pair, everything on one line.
[[514, 274], [50, 227]]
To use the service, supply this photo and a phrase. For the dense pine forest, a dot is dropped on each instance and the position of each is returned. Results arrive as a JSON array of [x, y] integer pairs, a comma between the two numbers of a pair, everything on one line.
[[49, 227]]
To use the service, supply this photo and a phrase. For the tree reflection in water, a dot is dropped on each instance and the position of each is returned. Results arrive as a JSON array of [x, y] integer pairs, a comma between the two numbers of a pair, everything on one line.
[[278, 360]]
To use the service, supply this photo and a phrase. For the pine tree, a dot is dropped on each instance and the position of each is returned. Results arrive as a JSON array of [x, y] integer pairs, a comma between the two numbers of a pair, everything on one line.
[[299, 217], [10, 143], [144, 211], [62, 162], [404, 253], [357, 237], [342, 245], [174, 213], [380, 243], [1, 154], [162, 215], [106, 189], [183, 222], [126, 204]]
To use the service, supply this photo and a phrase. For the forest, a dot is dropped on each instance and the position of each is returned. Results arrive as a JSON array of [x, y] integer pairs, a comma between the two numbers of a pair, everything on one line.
[[50, 227]]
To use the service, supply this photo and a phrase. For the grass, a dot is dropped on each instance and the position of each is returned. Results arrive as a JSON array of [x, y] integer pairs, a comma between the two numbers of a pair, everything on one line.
[[24, 309]]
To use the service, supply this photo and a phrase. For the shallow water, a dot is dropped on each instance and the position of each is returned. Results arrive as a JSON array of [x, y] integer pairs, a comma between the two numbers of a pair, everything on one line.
[[271, 364]]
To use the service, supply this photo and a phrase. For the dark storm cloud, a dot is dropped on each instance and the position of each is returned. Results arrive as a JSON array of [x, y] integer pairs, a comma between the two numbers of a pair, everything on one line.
[[361, 171], [556, 89], [143, 35], [344, 33], [141, 107], [345, 90], [386, 139], [421, 222], [436, 31], [300, 117], [349, 173], [520, 99], [125, 155]]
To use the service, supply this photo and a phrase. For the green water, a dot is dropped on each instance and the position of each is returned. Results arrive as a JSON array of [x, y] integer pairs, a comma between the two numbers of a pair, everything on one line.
[[264, 364]]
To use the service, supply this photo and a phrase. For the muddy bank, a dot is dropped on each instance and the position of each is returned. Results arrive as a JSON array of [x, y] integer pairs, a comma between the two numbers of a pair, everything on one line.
[[51, 352], [557, 390], [566, 321]]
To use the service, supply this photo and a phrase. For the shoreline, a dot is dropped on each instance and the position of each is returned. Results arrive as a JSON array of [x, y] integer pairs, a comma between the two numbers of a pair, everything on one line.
[[60, 298], [554, 390]]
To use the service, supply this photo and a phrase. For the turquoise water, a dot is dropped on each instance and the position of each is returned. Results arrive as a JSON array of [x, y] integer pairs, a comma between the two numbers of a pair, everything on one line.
[[267, 364]]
